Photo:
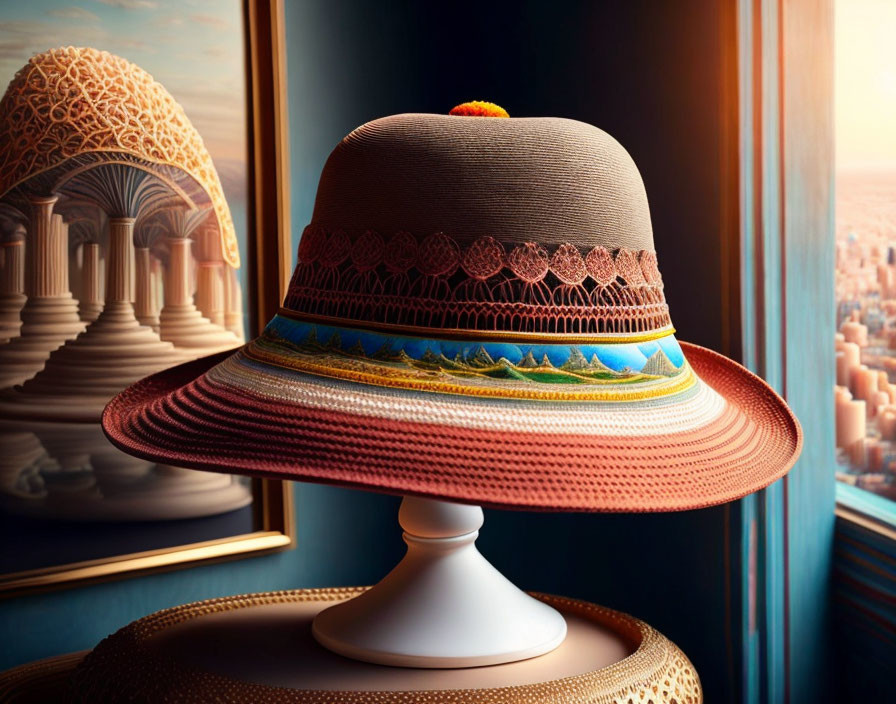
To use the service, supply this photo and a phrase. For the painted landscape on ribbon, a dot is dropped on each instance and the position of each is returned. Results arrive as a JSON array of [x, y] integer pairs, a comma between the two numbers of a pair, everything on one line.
[[545, 364]]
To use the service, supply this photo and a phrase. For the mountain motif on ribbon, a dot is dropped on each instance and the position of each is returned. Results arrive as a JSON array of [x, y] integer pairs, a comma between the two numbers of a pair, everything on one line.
[[484, 368]]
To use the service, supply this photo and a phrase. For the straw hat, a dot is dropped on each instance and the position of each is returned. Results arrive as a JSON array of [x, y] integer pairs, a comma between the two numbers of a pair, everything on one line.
[[476, 315]]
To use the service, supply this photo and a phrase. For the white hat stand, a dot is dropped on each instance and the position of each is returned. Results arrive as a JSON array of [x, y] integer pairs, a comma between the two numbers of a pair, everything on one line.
[[443, 605]]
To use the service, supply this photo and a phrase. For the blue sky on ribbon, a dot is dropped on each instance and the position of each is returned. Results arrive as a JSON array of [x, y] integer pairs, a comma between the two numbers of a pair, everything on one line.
[[617, 356], [192, 47]]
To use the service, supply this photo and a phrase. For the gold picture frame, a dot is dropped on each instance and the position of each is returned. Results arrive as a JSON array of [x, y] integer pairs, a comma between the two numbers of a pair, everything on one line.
[[268, 212]]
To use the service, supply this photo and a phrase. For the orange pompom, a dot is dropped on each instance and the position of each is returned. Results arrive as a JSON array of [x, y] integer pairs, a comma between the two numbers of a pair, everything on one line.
[[478, 108]]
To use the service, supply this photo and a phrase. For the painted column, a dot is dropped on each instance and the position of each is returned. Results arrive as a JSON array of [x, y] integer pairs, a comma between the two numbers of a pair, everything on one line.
[[118, 266], [91, 304], [144, 299], [115, 351], [50, 315], [40, 255], [13, 275], [74, 274], [233, 306], [210, 291], [180, 321], [209, 275], [177, 277], [12, 286], [158, 282]]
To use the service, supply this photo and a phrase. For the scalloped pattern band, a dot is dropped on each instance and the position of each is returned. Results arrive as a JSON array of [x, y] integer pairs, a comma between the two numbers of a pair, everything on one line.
[[484, 285]]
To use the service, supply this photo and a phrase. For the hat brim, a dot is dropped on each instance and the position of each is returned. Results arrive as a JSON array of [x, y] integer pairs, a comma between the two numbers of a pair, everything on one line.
[[182, 417]]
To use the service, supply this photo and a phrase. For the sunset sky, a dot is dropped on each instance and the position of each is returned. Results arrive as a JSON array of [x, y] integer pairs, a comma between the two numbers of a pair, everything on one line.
[[865, 83], [192, 47]]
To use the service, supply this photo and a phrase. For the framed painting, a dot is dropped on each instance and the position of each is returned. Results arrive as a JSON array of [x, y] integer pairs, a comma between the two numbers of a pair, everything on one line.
[[143, 223]]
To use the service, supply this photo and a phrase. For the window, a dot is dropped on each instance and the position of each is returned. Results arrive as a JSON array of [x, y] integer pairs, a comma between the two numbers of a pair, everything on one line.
[[865, 279]]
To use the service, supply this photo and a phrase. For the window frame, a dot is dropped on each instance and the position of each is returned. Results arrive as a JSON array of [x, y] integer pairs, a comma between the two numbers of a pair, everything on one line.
[[783, 295]]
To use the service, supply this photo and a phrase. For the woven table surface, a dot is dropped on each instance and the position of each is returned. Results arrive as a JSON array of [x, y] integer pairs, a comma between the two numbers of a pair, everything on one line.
[[258, 647]]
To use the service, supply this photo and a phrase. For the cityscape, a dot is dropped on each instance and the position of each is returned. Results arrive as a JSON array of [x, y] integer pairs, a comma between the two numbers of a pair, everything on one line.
[[865, 286]]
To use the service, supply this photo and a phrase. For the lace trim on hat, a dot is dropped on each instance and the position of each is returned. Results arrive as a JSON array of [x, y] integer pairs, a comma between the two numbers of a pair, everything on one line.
[[436, 283]]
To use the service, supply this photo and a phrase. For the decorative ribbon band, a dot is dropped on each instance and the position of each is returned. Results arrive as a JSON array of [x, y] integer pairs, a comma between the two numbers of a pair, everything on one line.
[[436, 283], [621, 371]]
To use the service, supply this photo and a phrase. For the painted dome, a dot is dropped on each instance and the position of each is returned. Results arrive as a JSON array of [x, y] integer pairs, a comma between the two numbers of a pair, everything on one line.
[[69, 109]]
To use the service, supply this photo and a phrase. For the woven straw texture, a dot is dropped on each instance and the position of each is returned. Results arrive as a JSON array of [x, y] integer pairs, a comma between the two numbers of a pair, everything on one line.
[[122, 667], [544, 179], [185, 417]]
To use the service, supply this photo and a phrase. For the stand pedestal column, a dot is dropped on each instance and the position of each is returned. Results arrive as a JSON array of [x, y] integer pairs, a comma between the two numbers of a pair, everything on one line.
[[50, 315], [91, 304], [444, 605], [12, 287], [180, 322]]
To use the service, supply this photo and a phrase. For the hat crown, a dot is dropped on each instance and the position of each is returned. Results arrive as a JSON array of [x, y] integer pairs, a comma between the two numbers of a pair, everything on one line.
[[520, 225], [545, 180]]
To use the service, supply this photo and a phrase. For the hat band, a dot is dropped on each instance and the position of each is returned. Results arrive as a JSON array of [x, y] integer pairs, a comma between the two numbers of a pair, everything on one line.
[[484, 285], [620, 371]]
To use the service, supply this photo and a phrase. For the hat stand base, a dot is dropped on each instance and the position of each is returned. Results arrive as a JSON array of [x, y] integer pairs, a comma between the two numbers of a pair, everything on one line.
[[444, 605]]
